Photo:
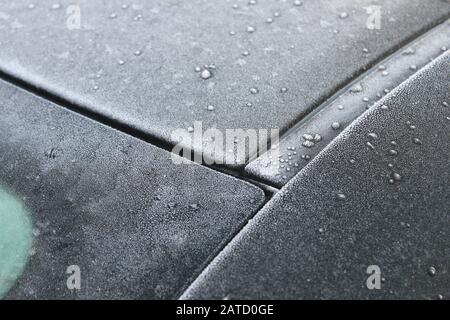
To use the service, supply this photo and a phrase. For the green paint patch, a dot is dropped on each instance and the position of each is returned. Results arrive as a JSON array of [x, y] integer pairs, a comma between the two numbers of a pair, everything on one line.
[[15, 239]]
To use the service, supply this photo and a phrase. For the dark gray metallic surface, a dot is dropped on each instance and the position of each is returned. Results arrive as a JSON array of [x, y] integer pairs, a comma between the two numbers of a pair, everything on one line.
[[136, 224], [136, 65], [336, 114], [377, 195]]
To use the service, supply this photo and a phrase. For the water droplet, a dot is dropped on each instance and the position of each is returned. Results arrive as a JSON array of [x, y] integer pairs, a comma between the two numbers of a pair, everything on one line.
[[284, 90], [432, 271], [113, 15], [245, 53], [251, 29], [254, 90], [413, 67], [409, 51], [317, 137], [396, 176], [417, 141], [335, 125], [393, 152], [340, 196], [411, 126], [206, 74], [297, 3], [306, 157], [137, 53], [56, 6], [356, 88], [343, 15], [308, 144], [210, 108], [372, 135], [370, 145]]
